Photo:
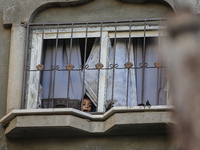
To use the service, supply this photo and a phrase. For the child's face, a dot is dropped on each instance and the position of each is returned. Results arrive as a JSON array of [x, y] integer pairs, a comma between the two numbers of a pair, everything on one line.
[[87, 105]]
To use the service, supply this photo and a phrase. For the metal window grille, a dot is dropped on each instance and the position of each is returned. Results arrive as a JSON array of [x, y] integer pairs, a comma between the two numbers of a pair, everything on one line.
[[117, 27]]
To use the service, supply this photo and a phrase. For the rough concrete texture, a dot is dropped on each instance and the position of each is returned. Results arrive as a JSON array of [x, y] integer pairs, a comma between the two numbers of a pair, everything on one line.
[[94, 143], [59, 125], [4, 61], [15, 11], [109, 10], [16, 63]]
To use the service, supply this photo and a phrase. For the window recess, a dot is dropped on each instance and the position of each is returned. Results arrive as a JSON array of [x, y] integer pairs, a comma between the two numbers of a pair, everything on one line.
[[113, 63]]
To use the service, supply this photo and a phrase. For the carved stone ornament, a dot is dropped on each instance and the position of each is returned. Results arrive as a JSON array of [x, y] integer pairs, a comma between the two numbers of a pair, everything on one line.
[[69, 67], [157, 64], [128, 65], [40, 67], [99, 66]]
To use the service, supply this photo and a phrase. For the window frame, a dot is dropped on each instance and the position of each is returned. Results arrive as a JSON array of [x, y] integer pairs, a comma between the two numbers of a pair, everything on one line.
[[108, 32]]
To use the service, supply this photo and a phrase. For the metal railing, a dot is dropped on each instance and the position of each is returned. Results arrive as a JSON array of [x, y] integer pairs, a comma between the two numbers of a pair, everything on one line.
[[143, 24]]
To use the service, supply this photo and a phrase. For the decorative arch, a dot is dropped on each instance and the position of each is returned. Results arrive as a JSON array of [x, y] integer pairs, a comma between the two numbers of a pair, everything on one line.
[[25, 11]]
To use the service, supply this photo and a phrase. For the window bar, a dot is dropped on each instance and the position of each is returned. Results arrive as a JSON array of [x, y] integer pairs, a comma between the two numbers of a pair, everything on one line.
[[55, 67], [51, 74], [143, 63], [40, 69], [135, 63], [162, 69], [113, 67], [84, 66], [158, 69], [99, 69], [157, 90], [25, 67], [129, 45], [97, 22], [50, 78], [69, 71]]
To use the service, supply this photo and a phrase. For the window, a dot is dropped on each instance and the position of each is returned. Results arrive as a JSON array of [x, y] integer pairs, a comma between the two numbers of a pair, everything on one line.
[[113, 63]]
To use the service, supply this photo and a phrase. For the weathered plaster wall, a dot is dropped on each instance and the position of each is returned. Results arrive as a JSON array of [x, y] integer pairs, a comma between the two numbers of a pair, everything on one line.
[[4, 60], [94, 143], [101, 10]]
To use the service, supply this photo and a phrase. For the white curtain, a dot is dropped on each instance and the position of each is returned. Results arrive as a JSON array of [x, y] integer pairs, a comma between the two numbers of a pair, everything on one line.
[[91, 76], [120, 79], [61, 77]]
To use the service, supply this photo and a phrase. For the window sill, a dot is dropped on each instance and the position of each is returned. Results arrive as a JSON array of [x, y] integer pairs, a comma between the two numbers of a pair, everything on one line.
[[64, 122]]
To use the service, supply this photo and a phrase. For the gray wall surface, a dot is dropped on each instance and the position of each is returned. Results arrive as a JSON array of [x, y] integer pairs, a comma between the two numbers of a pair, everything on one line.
[[97, 10], [95, 143], [102, 10]]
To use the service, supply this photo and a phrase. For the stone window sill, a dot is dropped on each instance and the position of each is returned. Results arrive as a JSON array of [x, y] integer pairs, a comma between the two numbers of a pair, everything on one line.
[[69, 122]]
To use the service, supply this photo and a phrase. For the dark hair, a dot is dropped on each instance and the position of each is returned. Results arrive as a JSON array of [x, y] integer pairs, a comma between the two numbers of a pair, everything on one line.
[[93, 108], [86, 97]]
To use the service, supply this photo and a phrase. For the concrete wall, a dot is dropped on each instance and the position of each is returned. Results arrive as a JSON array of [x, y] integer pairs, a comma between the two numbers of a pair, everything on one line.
[[102, 10], [4, 61], [94, 11], [94, 143]]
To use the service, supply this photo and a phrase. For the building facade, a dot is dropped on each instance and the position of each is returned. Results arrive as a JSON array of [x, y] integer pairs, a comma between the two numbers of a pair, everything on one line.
[[123, 120]]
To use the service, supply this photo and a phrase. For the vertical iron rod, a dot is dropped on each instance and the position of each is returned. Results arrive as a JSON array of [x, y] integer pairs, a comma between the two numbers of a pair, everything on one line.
[[85, 52], [25, 67], [113, 79], [50, 78], [143, 63], [69, 73], [135, 64], [157, 91], [40, 63], [99, 69], [129, 45], [55, 59], [157, 88]]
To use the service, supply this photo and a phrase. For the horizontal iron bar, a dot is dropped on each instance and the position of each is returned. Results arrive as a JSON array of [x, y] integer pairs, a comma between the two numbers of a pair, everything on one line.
[[98, 22]]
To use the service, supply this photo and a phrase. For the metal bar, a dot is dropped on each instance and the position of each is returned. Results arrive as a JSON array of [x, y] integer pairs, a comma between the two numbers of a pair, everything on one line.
[[102, 68], [40, 63], [50, 78], [97, 22], [69, 71], [85, 52], [25, 65], [157, 88], [113, 79], [129, 45], [54, 75], [143, 63], [143, 67], [99, 69], [135, 64]]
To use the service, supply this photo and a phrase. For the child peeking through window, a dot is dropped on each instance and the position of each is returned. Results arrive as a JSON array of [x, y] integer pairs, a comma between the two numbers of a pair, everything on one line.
[[87, 105]]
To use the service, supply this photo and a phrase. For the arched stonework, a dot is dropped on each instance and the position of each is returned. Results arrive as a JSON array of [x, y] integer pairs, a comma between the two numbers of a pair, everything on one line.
[[103, 10], [27, 9]]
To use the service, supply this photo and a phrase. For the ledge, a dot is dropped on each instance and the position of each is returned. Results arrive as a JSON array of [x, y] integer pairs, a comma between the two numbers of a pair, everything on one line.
[[65, 122]]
